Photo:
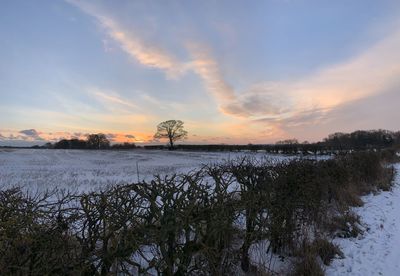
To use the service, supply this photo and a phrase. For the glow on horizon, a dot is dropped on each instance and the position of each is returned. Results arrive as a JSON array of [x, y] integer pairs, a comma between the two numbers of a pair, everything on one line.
[[218, 69]]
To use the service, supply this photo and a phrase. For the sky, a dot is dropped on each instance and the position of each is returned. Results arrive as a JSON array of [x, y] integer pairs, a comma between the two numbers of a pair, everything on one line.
[[234, 71]]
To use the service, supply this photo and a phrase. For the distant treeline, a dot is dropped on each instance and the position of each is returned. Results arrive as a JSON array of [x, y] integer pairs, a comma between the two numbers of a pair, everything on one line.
[[357, 140], [93, 141]]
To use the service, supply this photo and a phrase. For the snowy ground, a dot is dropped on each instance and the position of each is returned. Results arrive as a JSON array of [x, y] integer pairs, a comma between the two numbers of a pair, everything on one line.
[[39, 169], [377, 252]]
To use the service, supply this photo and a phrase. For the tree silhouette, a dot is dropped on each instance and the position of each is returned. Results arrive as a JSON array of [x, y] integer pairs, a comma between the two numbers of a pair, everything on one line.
[[171, 130], [97, 141]]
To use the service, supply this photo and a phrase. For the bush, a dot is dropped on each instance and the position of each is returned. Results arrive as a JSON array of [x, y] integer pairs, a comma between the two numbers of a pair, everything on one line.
[[345, 225], [34, 238], [308, 266], [326, 250]]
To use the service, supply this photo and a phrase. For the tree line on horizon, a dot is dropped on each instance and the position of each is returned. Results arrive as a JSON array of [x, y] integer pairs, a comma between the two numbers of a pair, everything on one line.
[[173, 131], [339, 141], [97, 141]]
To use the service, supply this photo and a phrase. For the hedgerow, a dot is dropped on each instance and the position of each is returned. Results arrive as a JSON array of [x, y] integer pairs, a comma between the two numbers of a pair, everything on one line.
[[199, 223]]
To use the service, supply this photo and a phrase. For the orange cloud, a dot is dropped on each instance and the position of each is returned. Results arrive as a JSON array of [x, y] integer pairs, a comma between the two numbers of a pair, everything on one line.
[[371, 72]]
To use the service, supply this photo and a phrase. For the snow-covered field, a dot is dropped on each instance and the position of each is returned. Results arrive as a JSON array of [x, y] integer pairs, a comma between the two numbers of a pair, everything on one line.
[[377, 251], [40, 169]]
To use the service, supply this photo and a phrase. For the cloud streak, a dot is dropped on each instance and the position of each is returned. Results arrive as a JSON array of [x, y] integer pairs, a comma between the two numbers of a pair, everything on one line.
[[207, 68], [111, 98], [145, 53], [202, 63]]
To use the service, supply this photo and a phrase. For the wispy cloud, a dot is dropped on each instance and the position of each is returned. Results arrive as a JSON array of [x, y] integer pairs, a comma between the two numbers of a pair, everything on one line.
[[208, 69], [202, 62], [111, 99], [145, 53], [371, 72], [283, 106], [308, 99], [165, 105]]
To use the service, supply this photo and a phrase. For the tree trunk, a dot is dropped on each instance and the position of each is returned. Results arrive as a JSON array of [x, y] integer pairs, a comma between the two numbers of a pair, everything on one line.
[[171, 144]]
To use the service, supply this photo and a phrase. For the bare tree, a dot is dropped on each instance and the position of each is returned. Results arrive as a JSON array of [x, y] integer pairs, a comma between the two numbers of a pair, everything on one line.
[[97, 141], [171, 130]]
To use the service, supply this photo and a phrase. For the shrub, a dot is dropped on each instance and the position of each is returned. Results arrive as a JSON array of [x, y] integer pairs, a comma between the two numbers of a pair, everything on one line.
[[326, 250], [345, 225], [308, 266], [34, 237]]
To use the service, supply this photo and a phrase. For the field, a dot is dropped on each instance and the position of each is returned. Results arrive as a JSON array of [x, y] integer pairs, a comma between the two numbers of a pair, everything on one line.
[[84, 170]]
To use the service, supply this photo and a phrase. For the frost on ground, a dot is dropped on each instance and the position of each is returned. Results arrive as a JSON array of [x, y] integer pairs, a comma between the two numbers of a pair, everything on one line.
[[83, 170], [377, 251]]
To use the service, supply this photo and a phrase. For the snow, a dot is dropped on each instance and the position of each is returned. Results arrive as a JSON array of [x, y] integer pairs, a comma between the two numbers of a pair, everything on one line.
[[377, 251], [84, 170]]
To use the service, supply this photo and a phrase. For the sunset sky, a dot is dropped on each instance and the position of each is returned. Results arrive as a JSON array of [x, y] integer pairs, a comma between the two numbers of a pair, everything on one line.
[[234, 71]]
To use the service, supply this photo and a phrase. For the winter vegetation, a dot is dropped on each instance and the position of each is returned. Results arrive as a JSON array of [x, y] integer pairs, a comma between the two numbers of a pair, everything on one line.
[[242, 215]]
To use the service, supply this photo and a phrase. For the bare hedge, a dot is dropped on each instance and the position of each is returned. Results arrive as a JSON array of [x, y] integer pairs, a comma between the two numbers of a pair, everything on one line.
[[200, 223]]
